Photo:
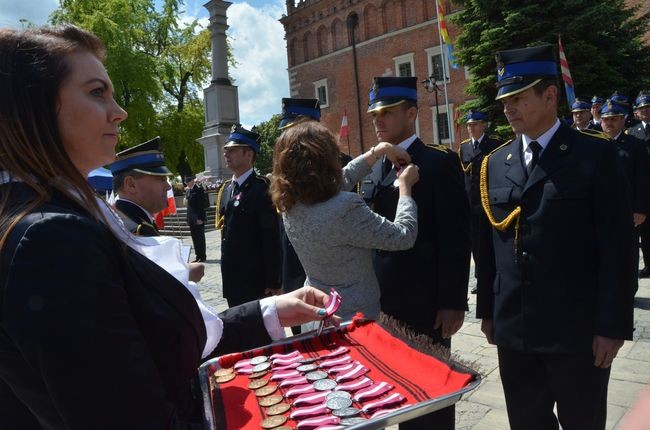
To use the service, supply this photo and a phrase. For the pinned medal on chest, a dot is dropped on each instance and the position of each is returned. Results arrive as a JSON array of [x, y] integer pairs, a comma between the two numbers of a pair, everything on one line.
[[237, 197], [398, 171]]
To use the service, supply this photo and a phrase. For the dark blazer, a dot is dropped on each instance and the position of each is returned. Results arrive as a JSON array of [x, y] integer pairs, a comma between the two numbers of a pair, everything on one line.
[[638, 131], [434, 273], [471, 159], [196, 199], [571, 274], [139, 221], [95, 335], [634, 156], [250, 241], [594, 126]]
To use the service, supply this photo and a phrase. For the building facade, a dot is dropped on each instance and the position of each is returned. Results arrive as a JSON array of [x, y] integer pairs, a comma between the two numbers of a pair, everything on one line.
[[336, 47]]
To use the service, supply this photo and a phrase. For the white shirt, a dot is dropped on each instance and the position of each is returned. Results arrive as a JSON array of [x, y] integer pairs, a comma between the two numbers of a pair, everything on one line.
[[543, 141], [475, 142], [241, 179], [406, 143]]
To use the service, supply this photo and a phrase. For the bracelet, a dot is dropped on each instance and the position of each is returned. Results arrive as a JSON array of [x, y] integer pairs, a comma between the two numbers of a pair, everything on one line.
[[372, 152]]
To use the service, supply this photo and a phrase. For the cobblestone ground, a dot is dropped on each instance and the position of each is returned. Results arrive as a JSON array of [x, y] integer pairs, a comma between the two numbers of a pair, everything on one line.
[[484, 408]]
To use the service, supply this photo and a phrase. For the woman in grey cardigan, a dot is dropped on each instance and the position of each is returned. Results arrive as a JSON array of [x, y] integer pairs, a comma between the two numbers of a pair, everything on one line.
[[333, 231]]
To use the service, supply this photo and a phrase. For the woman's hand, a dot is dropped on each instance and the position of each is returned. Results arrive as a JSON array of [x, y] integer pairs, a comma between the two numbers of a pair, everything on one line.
[[302, 306], [408, 176], [397, 155]]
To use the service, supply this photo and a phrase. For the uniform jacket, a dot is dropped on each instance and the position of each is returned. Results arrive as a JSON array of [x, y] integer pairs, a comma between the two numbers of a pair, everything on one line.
[[638, 131], [250, 242], [95, 335], [335, 240], [633, 153], [573, 271], [434, 273], [196, 199], [594, 126], [136, 219]]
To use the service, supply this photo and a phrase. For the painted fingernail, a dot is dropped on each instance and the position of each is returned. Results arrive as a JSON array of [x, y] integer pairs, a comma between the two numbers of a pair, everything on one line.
[[321, 312]]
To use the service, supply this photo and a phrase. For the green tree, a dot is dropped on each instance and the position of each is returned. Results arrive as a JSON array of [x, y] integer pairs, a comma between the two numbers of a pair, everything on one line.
[[269, 133], [157, 67], [601, 39]]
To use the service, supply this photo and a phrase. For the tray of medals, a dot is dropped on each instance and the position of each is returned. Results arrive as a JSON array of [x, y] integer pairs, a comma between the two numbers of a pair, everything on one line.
[[356, 376]]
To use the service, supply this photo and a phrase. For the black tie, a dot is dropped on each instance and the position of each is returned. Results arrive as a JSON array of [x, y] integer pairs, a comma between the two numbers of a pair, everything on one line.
[[647, 129], [475, 143], [235, 190], [535, 148], [386, 167]]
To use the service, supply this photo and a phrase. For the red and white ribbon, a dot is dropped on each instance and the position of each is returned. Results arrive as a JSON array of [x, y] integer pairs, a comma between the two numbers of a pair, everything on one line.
[[335, 362], [343, 368], [311, 398], [329, 428], [355, 385], [338, 351], [311, 423], [300, 389], [287, 361], [287, 367], [333, 303], [245, 370], [243, 363], [372, 392], [353, 373], [382, 412], [293, 381], [309, 411], [280, 376], [292, 354], [393, 399]]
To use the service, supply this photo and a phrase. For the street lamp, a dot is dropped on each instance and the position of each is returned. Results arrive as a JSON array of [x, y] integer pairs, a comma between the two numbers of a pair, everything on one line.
[[431, 86]]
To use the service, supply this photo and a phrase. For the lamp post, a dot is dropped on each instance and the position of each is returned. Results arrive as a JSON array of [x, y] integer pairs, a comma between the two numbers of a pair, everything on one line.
[[431, 86]]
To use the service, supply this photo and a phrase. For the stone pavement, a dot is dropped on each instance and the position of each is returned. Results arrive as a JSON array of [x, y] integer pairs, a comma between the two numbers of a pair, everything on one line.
[[484, 408]]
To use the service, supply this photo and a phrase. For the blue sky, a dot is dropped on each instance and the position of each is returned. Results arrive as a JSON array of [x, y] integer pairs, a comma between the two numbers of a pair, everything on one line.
[[257, 42]]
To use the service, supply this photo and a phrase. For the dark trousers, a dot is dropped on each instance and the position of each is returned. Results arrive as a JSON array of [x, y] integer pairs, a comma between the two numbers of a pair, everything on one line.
[[644, 231], [198, 240], [444, 419], [534, 383]]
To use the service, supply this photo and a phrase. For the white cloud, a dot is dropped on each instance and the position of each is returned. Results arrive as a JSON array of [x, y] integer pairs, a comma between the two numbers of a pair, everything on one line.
[[260, 51], [36, 11]]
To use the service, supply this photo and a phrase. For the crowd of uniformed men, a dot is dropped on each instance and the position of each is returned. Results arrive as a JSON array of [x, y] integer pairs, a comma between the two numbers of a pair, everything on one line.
[[552, 218]]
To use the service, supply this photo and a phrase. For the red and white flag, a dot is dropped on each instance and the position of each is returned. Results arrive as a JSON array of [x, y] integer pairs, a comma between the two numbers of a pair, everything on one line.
[[566, 74], [344, 131], [169, 210]]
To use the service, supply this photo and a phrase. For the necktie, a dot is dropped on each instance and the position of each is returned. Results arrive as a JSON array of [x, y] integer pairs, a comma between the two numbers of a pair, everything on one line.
[[535, 148], [386, 167], [235, 189], [475, 143], [647, 129]]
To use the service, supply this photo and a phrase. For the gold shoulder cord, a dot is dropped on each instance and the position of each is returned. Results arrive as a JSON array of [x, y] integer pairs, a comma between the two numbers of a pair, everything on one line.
[[219, 218], [485, 202], [466, 169]]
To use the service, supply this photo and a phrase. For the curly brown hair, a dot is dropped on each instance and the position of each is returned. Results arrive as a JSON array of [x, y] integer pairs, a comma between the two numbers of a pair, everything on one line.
[[306, 166]]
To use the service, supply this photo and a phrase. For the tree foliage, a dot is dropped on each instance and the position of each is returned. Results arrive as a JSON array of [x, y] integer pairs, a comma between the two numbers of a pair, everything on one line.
[[269, 133], [601, 39], [158, 66]]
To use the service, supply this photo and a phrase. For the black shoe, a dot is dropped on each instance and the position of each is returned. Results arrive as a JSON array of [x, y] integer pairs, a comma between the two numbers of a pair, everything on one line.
[[644, 273], [474, 290]]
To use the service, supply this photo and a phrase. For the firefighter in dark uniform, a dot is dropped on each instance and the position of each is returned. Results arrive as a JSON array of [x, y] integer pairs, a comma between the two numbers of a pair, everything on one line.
[[425, 286], [472, 152], [634, 156], [140, 180], [559, 301], [624, 101], [581, 112], [596, 103], [642, 131], [250, 254], [197, 202]]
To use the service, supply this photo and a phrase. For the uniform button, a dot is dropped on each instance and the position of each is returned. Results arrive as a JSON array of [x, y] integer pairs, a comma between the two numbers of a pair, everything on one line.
[[524, 255]]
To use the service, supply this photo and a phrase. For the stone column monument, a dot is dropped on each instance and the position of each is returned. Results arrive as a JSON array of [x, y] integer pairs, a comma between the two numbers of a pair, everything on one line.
[[220, 99]]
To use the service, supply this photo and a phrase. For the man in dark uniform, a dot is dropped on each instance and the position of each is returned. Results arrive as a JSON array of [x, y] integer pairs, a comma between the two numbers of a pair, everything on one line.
[[596, 104], [196, 203], [581, 112], [624, 101], [642, 131], [634, 156], [425, 286], [250, 254], [140, 181], [472, 152], [559, 301]]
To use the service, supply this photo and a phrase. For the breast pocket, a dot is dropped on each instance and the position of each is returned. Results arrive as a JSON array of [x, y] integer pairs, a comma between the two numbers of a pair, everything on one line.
[[499, 195]]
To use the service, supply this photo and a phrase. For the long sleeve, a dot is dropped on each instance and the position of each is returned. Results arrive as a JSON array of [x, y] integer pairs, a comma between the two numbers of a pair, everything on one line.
[[366, 229], [354, 172]]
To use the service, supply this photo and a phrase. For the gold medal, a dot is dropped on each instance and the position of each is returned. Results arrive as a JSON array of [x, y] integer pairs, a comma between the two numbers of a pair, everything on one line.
[[225, 378], [273, 422], [257, 383], [266, 390], [270, 401], [256, 375], [278, 409], [224, 372]]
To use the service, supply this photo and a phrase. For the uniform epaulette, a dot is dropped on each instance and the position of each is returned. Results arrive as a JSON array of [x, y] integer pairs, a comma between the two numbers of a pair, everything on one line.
[[439, 147], [499, 147], [466, 141], [595, 133], [263, 178]]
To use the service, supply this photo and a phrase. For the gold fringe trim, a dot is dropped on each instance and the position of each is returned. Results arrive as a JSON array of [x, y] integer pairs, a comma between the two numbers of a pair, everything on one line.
[[220, 219]]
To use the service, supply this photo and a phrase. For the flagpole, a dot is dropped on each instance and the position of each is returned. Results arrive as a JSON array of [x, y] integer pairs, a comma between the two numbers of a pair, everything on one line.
[[444, 72]]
